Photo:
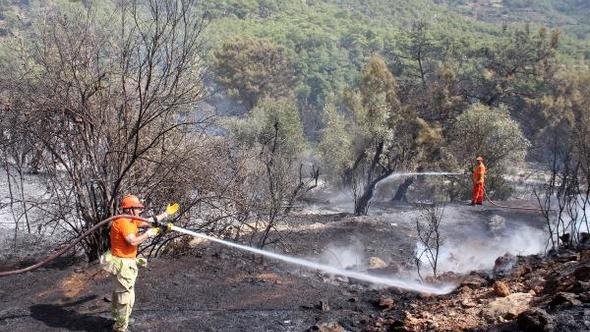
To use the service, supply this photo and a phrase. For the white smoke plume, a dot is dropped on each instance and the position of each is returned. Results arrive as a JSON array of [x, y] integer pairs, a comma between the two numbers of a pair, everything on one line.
[[349, 256], [479, 250]]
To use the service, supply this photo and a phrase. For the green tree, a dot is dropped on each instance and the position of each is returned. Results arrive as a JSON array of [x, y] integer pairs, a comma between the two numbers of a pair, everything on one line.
[[256, 68], [493, 134], [380, 136], [514, 67]]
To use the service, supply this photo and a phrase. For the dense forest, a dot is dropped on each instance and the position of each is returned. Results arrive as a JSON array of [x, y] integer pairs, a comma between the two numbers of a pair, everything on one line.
[[277, 95]]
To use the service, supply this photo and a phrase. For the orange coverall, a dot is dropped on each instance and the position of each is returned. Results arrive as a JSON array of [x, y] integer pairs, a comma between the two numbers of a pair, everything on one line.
[[478, 184]]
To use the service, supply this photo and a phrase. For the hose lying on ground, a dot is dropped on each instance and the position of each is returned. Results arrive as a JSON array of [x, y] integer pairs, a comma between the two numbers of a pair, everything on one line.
[[509, 207], [70, 246]]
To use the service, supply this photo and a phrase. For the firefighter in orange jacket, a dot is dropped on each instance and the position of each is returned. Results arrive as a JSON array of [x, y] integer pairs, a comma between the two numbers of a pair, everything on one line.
[[478, 178], [121, 260]]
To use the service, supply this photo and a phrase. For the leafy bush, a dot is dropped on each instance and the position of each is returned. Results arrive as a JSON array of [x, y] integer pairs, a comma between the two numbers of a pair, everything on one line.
[[493, 134]]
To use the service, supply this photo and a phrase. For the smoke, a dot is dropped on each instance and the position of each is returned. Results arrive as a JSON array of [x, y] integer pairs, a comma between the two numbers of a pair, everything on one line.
[[377, 280], [478, 250], [329, 202], [344, 256]]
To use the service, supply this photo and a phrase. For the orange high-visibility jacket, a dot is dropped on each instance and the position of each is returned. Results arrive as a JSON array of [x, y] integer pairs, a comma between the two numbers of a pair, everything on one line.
[[120, 229], [479, 174]]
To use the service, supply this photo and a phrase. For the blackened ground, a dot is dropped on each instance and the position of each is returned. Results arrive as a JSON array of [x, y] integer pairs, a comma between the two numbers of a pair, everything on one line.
[[215, 292], [221, 289]]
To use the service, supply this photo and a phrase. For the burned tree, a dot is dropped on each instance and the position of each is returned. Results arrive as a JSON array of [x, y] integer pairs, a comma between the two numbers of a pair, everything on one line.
[[271, 143], [565, 196], [111, 89], [429, 236]]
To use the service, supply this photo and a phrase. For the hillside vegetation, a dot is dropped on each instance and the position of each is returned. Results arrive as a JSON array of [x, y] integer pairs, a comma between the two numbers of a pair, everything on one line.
[[349, 91]]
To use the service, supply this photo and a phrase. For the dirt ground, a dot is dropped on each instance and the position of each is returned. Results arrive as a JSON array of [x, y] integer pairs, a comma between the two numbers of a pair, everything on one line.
[[220, 289]]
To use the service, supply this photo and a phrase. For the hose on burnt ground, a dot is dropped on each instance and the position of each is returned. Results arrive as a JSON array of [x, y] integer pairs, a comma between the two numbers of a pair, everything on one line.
[[485, 192], [70, 246]]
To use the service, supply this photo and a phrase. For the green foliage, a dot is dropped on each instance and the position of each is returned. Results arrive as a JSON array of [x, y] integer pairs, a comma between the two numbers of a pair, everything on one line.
[[329, 41], [272, 125], [493, 134], [256, 68], [571, 15], [378, 136], [375, 106], [566, 113], [515, 65], [335, 147]]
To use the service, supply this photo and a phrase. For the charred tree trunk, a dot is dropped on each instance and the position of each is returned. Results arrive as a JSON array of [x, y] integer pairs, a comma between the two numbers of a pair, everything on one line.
[[361, 205], [402, 190]]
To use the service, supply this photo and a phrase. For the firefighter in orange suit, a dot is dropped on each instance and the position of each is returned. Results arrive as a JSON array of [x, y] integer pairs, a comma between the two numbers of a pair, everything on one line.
[[121, 260], [478, 178]]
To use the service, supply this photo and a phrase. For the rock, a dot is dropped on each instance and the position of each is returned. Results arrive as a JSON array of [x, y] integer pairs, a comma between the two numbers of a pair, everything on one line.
[[501, 289], [583, 273], [520, 270], [566, 255], [376, 263], [410, 321], [565, 300], [474, 281], [534, 320], [425, 315], [468, 303], [535, 283], [327, 327], [565, 279], [433, 325], [449, 277], [508, 307], [503, 265], [386, 303], [584, 238], [565, 238], [581, 286]]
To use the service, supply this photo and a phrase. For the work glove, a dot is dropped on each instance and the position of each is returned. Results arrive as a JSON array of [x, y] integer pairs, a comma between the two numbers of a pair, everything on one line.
[[165, 227], [171, 210], [141, 262], [154, 231]]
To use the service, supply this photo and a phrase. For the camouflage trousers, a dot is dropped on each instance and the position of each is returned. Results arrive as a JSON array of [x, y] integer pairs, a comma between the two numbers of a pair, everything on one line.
[[123, 291]]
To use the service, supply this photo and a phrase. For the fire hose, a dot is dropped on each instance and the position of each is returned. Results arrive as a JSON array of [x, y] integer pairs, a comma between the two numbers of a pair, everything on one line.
[[70, 246], [485, 191], [393, 282], [105, 221], [509, 207]]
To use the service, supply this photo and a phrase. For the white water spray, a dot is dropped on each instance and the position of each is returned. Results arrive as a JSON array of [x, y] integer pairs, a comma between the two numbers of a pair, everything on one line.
[[404, 174], [408, 285]]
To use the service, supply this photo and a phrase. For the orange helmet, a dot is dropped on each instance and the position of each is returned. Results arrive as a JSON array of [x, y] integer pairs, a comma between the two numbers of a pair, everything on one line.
[[130, 202], [479, 158]]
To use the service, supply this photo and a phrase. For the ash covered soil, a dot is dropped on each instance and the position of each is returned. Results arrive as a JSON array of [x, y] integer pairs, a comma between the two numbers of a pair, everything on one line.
[[221, 289]]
